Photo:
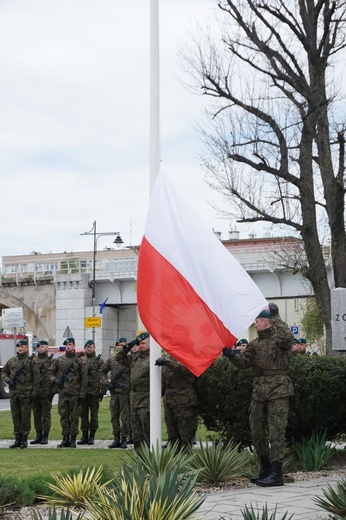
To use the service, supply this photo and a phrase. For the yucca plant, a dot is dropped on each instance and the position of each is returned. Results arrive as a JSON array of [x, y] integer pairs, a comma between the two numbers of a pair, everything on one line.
[[72, 490], [53, 514], [251, 514], [157, 461], [136, 495], [217, 463], [313, 453], [334, 501]]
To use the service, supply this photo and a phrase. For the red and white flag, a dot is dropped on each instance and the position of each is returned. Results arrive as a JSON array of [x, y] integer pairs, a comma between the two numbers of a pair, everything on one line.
[[193, 296]]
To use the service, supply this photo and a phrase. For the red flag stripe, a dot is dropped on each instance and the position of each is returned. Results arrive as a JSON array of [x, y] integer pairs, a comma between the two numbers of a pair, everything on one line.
[[173, 313]]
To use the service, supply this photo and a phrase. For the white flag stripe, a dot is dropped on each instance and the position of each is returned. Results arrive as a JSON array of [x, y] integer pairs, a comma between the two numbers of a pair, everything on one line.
[[177, 232]]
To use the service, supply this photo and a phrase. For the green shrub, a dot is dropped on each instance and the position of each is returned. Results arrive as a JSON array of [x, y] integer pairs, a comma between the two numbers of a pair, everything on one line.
[[334, 500], [15, 491], [53, 514], [313, 453], [251, 514], [216, 463]]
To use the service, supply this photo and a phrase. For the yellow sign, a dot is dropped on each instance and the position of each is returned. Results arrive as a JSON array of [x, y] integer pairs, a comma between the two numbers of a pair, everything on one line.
[[92, 322]]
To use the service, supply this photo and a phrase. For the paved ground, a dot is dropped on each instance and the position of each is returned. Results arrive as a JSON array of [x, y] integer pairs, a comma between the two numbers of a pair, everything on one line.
[[297, 498]]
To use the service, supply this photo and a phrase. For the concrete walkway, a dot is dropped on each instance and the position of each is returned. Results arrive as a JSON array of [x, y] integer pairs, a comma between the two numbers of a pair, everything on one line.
[[296, 498]]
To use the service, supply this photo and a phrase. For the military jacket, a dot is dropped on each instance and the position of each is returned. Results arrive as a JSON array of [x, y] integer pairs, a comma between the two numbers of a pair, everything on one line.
[[119, 367], [269, 354], [94, 377], [72, 371], [140, 377], [24, 384], [178, 384], [43, 386]]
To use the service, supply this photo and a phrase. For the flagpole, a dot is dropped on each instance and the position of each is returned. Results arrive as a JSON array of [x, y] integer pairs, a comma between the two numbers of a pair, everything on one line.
[[155, 349]]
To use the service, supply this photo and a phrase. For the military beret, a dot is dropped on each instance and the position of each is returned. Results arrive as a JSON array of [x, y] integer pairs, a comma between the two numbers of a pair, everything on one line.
[[242, 341], [264, 314], [42, 342], [69, 340], [296, 340], [142, 336], [22, 342], [88, 343], [302, 340], [121, 340]]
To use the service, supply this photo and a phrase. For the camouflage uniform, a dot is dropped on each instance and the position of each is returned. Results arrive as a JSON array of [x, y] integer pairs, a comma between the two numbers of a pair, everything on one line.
[[119, 367], [91, 402], [42, 397], [72, 390], [140, 397], [20, 396], [180, 402], [269, 354]]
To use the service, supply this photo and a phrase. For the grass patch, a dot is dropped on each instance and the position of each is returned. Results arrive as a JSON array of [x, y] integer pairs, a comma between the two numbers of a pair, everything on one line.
[[41, 463], [103, 433]]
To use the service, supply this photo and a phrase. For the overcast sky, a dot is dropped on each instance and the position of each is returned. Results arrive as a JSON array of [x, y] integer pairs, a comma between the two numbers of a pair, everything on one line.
[[74, 120]]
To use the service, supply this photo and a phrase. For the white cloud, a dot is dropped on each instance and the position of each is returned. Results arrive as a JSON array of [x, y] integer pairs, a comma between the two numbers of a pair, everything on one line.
[[74, 125]]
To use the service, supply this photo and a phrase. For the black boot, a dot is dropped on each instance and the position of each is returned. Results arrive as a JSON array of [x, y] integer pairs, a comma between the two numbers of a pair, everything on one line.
[[91, 437], [24, 441], [123, 443], [65, 443], [265, 467], [38, 437], [116, 442], [274, 478], [84, 439], [73, 443], [44, 439], [17, 441]]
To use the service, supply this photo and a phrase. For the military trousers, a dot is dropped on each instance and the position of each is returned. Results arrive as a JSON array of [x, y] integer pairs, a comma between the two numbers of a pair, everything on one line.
[[140, 426], [69, 411], [41, 409], [89, 412], [119, 407], [21, 414], [181, 423], [268, 421]]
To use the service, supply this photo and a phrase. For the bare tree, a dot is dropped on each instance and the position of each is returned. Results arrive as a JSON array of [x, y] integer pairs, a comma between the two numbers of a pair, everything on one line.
[[276, 148]]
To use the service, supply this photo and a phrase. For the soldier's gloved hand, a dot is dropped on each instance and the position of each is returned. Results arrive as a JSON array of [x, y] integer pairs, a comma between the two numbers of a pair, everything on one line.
[[57, 382], [160, 362], [109, 386], [230, 352], [10, 382], [273, 309]]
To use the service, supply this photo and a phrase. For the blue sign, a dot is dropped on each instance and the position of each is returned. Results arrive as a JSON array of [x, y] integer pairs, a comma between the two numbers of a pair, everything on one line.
[[295, 330]]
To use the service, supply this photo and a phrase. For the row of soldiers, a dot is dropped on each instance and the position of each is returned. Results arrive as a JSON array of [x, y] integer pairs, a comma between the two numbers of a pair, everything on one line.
[[81, 381]]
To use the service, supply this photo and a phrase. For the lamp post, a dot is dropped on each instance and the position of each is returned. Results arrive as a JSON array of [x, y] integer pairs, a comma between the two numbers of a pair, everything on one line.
[[118, 241]]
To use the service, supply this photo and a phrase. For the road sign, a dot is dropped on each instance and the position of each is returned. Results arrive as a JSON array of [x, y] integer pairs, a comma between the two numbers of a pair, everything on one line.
[[295, 330], [67, 333], [12, 318], [92, 322]]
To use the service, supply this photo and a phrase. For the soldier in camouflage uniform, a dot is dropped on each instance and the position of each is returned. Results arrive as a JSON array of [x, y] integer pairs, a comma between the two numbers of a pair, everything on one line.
[[18, 373], [119, 387], [68, 375], [140, 388], [180, 402], [269, 354], [42, 394], [91, 402]]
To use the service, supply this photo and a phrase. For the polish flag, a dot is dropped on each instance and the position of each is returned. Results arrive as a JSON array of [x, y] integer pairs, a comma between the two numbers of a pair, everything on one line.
[[193, 296]]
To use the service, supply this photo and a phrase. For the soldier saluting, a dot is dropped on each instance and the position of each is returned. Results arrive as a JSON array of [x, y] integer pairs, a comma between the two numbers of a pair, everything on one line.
[[19, 375]]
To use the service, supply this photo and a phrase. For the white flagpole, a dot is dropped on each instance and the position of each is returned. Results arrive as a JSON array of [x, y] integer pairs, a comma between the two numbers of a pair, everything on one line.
[[155, 350]]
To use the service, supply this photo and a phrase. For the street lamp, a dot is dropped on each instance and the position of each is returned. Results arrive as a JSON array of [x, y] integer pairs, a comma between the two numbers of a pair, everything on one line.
[[118, 241]]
